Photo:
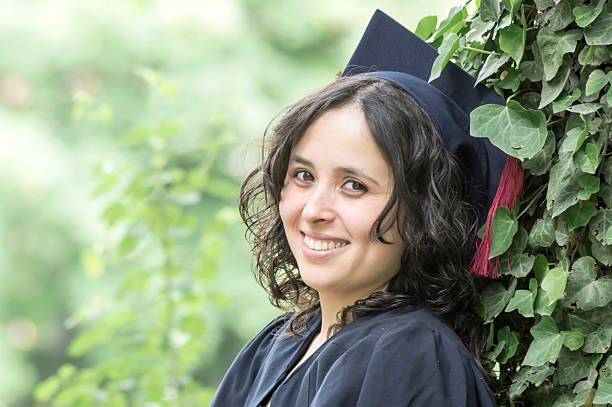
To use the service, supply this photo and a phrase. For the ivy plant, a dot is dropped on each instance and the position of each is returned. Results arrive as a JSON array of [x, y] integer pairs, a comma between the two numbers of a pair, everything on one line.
[[550, 314]]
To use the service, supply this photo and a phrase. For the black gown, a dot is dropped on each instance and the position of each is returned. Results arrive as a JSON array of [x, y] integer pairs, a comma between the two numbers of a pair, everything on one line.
[[403, 357]]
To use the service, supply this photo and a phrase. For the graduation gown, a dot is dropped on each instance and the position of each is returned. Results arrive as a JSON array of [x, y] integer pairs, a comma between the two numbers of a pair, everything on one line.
[[403, 357]]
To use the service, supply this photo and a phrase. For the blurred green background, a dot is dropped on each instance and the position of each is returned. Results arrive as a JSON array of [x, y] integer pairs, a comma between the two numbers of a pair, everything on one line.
[[172, 95]]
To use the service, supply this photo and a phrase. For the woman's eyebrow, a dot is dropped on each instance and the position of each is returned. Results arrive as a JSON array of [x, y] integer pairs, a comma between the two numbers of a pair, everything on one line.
[[345, 170]]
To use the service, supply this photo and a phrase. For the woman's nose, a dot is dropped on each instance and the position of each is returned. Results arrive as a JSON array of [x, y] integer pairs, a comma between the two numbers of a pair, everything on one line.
[[319, 205]]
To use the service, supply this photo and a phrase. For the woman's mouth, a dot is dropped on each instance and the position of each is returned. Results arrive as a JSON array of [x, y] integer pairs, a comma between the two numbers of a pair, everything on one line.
[[322, 246]]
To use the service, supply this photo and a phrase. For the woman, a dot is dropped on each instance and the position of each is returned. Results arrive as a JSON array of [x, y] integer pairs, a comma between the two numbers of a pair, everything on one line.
[[362, 219]]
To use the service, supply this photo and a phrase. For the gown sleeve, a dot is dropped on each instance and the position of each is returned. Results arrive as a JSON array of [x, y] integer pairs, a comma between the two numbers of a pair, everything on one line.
[[237, 382], [415, 366]]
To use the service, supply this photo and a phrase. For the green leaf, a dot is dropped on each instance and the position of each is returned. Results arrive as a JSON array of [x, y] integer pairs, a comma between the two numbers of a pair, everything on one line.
[[562, 234], [510, 80], [92, 263], [604, 391], [597, 80], [518, 265], [526, 375], [605, 193], [583, 289], [541, 306], [503, 229], [512, 41], [46, 389], [426, 27], [523, 302], [540, 267], [584, 108], [589, 185], [600, 225], [554, 284], [491, 65], [565, 100], [553, 46], [560, 16], [495, 297], [599, 340], [599, 32], [585, 15], [546, 344], [583, 389], [551, 89], [540, 162], [510, 344], [446, 52], [573, 139], [579, 215], [563, 185], [452, 23], [127, 244], [490, 10], [542, 233], [114, 212], [573, 366], [587, 160], [516, 131], [478, 29], [574, 339]]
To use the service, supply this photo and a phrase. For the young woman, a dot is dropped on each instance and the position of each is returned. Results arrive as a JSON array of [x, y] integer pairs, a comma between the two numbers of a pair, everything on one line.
[[362, 218]]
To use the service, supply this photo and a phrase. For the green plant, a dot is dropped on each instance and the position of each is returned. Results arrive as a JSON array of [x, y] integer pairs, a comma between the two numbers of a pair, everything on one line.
[[148, 334], [550, 315]]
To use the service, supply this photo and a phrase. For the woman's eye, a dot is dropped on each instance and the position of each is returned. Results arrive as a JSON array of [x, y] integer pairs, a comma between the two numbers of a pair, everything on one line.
[[353, 185], [304, 176]]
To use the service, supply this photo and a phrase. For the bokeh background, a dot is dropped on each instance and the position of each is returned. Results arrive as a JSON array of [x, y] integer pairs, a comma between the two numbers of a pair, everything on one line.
[[90, 90]]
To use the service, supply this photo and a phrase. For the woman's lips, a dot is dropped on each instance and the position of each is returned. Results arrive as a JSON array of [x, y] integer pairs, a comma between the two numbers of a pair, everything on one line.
[[317, 248]]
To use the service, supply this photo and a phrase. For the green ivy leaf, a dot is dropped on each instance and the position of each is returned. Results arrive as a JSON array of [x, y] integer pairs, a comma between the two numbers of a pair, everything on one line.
[[554, 284], [589, 185], [527, 374], [426, 27], [560, 16], [583, 389], [600, 225], [573, 366], [490, 10], [542, 233], [46, 389], [452, 23], [546, 344], [585, 15], [541, 306], [573, 139], [523, 302], [574, 339], [583, 288], [446, 51], [605, 193], [579, 215], [540, 267], [491, 65], [512, 41], [518, 265], [599, 32], [597, 80], [478, 28], [510, 344], [517, 131], [510, 80], [551, 89], [503, 229], [562, 234], [599, 340], [553, 46], [604, 391], [584, 108], [587, 160], [565, 100], [540, 162], [495, 297]]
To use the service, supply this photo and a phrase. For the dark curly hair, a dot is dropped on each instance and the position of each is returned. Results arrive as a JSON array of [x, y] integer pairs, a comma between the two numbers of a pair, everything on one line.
[[434, 222]]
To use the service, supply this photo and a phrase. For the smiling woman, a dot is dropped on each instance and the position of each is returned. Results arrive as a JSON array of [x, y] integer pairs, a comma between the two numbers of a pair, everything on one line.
[[362, 219]]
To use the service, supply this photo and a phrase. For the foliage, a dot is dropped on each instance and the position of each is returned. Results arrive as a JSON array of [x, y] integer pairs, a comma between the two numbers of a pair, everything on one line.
[[149, 335], [550, 315]]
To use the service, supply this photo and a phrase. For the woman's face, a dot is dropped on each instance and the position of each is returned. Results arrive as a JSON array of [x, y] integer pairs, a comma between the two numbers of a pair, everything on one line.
[[337, 184]]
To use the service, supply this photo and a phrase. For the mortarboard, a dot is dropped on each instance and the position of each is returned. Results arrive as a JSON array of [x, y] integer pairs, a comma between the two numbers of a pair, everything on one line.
[[389, 51]]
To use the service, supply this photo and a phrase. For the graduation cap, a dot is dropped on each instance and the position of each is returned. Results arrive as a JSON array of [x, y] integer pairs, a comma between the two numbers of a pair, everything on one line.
[[389, 51]]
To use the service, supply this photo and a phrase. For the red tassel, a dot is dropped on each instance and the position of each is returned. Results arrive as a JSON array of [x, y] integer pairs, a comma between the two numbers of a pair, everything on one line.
[[510, 186]]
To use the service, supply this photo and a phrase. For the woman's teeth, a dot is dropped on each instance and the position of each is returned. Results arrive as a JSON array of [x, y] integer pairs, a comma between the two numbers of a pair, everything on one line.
[[322, 244]]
